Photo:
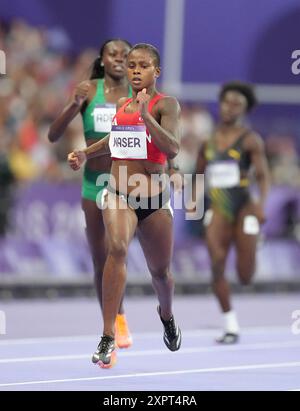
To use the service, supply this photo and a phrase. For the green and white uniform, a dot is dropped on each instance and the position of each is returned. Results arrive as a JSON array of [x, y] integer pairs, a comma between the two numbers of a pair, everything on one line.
[[97, 119]]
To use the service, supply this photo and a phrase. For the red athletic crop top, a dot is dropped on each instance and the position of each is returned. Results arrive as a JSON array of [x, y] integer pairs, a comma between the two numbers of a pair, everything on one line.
[[130, 140]]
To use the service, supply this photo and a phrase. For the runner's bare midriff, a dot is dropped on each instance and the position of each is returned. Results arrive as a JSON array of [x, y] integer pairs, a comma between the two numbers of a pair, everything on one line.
[[144, 168]]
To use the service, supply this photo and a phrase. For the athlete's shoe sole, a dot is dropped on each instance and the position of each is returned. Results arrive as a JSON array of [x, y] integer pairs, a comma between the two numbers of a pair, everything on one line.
[[122, 344], [113, 360], [228, 339], [123, 338], [175, 344]]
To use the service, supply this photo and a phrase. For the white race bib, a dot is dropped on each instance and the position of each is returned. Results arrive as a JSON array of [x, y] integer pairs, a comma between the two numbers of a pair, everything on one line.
[[223, 174], [208, 216], [103, 115], [251, 225], [128, 142]]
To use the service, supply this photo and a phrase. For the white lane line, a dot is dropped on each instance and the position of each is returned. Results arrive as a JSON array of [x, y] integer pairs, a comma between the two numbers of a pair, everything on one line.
[[161, 373], [142, 335], [145, 353]]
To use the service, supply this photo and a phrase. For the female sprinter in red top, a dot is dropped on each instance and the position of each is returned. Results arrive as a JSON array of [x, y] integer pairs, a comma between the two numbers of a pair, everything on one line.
[[145, 134]]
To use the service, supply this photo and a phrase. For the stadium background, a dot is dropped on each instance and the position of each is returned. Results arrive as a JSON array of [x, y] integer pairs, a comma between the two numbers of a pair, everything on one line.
[[50, 46]]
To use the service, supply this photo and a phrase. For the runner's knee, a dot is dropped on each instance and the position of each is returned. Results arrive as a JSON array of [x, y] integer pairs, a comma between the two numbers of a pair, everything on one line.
[[118, 249], [218, 261], [245, 272], [161, 273]]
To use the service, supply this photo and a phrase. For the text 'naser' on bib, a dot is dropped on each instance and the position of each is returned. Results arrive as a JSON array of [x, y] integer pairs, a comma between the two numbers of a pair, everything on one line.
[[223, 174], [103, 115], [128, 142]]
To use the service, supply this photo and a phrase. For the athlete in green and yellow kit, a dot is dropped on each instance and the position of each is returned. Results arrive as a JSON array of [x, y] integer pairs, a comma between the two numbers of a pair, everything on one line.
[[233, 155], [96, 100]]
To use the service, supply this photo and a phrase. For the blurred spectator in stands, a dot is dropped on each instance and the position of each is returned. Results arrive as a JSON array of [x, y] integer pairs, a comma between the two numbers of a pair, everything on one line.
[[6, 183], [283, 160], [197, 126]]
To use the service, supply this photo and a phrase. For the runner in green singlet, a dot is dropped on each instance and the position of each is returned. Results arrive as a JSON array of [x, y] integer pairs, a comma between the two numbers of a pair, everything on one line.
[[96, 100]]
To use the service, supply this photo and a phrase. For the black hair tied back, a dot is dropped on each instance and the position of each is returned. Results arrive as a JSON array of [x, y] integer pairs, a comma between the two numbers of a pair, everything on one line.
[[97, 69]]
